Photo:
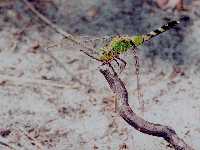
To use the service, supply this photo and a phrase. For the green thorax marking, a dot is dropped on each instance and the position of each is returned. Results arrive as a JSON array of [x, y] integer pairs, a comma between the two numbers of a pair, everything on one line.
[[119, 45], [122, 44]]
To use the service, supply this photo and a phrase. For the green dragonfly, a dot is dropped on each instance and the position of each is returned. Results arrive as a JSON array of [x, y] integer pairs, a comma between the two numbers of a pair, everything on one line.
[[113, 46], [116, 45]]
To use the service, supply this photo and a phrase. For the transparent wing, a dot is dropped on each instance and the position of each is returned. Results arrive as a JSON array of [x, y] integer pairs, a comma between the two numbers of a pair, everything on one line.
[[90, 44], [95, 42], [91, 41]]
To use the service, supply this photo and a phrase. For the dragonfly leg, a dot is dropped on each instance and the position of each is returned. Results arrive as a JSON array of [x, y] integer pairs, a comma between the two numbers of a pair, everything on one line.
[[137, 70], [123, 65], [116, 61], [86, 53]]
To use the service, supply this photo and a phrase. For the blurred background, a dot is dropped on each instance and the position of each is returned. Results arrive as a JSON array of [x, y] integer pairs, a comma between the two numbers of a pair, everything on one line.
[[57, 95]]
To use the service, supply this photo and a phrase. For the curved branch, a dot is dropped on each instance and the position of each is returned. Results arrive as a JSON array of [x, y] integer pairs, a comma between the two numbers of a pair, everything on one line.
[[125, 111]]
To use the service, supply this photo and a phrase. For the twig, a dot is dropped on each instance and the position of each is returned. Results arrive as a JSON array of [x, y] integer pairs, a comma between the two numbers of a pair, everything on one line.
[[63, 66], [34, 140], [47, 21], [59, 30], [125, 111], [2, 142], [66, 35], [6, 145], [20, 81]]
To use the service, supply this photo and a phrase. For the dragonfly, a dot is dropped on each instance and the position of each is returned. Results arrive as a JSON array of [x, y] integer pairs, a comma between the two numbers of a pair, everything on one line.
[[116, 45]]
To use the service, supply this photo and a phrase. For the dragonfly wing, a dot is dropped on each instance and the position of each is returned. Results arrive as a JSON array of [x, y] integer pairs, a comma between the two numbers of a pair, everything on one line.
[[89, 44], [95, 42]]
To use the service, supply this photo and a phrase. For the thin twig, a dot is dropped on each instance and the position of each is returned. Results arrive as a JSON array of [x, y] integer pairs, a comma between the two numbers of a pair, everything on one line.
[[6, 145], [125, 111], [64, 67], [66, 35], [34, 140], [2, 142], [59, 30], [20, 81]]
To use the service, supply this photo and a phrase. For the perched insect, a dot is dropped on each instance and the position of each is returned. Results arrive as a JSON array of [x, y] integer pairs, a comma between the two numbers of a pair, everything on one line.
[[117, 45], [121, 44]]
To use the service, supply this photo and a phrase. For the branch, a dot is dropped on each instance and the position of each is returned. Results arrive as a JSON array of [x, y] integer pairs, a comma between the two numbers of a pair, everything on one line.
[[6, 145], [125, 111], [63, 33], [87, 50], [31, 138], [20, 80]]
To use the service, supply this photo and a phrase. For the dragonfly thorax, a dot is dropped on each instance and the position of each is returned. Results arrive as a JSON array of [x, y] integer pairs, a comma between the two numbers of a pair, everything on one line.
[[117, 46]]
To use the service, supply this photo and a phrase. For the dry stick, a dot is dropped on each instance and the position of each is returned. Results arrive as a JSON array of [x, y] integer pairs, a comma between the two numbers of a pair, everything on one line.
[[7, 145], [63, 66], [34, 140], [59, 30], [20, 81], [66, 35], [125, 111]]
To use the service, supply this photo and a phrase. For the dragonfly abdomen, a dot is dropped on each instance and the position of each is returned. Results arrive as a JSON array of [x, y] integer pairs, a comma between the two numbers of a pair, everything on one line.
[[160, 30]]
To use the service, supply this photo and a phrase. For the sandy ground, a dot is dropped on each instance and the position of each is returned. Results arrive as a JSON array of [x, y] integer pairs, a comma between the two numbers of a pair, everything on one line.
[[67, 105]]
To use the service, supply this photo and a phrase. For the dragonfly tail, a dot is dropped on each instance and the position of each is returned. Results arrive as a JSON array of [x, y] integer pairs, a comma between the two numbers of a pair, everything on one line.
[[160, 30]]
